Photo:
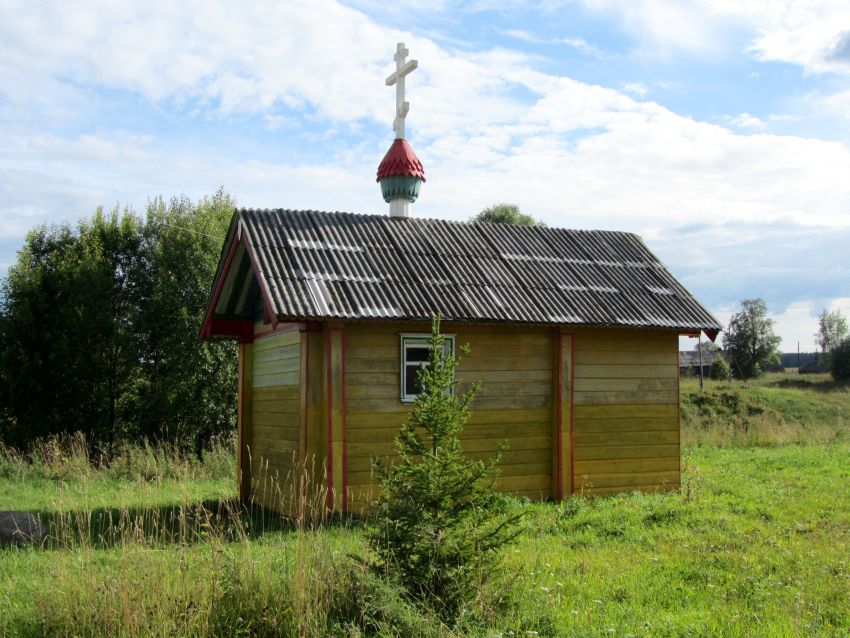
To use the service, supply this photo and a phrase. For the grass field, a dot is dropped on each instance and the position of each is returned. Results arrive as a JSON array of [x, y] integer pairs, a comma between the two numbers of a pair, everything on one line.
[[755, 544], [776, 409]]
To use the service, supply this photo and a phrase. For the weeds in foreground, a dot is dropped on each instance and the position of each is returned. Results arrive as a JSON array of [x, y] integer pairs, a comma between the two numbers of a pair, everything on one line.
[[277, 566], [759, 549], [755, 546], [68, 457]]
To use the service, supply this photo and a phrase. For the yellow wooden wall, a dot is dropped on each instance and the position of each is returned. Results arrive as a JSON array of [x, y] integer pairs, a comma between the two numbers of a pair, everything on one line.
[[514, 367], [625, 410], [274, 437], [621, 431]]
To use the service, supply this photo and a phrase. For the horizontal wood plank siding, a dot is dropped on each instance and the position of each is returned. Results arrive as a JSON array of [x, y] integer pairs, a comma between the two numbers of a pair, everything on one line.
[[513, 365], [625, 421], [276, 421], [625, 411]]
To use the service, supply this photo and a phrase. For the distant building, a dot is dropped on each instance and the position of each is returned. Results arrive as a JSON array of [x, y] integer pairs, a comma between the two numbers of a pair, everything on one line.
[[689, 361]]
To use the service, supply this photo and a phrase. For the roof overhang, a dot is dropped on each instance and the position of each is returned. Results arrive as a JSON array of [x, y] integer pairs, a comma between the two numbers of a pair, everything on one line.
[[236, 270]]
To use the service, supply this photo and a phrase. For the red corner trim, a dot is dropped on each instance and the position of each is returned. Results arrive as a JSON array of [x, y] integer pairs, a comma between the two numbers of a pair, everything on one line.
[[572, 413], [560, 398], [560, 432], [305, 403], [679, 412], [343, 428], [329, 413]]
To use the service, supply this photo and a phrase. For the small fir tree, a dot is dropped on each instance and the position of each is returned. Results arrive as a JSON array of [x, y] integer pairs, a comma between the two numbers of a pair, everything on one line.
[[440, 525]]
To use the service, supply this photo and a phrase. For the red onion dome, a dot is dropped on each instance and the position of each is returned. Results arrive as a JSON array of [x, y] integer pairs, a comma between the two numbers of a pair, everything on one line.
[[400, 160]]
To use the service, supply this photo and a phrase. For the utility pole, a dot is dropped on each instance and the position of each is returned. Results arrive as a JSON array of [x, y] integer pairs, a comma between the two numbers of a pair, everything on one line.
[[699, 347]]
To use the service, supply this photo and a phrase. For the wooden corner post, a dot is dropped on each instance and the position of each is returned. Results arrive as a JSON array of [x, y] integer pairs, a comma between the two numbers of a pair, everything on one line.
[[313, 448], [243, 420], [562, 461], [335, 415]]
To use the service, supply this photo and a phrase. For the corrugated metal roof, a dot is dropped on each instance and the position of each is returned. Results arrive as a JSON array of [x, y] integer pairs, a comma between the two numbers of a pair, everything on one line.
[[318, 265]]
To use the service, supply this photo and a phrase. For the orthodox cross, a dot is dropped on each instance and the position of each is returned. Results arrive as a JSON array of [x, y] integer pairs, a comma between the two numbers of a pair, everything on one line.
[[397, 78]]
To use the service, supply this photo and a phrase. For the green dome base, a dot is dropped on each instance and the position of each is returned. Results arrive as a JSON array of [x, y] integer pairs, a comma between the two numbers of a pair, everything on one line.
[[400, 187]]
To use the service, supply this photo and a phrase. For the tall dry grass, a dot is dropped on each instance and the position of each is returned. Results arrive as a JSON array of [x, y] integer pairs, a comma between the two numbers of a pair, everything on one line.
[[776, 409], [63, 457], [280, 565]]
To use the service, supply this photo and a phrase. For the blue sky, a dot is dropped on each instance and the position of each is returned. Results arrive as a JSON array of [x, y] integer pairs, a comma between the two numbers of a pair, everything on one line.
[[719, 131]]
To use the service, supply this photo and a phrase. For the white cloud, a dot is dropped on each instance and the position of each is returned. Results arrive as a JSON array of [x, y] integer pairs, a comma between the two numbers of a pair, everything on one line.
[[525, 36], [814, 34], [582, 45], [577, 141], [273, 58], [569, 148], [797, 323], [662, 26], [747, 121], [579, 44], [842, 304], [237, 56], [638, 89], [486, 124], [832, 104]]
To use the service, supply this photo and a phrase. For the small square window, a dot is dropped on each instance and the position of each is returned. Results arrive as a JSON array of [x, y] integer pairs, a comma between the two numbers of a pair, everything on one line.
[[415, 355]]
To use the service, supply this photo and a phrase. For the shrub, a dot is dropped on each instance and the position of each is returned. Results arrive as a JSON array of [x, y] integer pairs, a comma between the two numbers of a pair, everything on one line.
[[439, 524], [840, 362], [720, 369]]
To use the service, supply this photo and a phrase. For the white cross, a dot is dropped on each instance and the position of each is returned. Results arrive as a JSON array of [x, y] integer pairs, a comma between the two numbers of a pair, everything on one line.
[[397, 78]]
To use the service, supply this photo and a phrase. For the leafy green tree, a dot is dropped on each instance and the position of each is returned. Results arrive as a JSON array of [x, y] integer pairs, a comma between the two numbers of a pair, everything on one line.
[[440, 525], [188, 388], [506, 214], [99, 324], [66, 351], [840, 363], [750, 340], [832, 330], [720, 369]]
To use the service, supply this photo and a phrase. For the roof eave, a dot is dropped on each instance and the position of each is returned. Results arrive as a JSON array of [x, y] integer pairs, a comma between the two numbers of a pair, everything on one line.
[[213, 327]]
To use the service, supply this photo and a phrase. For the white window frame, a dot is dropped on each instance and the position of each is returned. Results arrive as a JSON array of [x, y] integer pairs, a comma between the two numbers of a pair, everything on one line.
[[418, 339]]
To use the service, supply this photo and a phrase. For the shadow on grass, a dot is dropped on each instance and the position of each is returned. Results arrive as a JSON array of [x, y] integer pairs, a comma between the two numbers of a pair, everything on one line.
[[224, 520], [816, 385]]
